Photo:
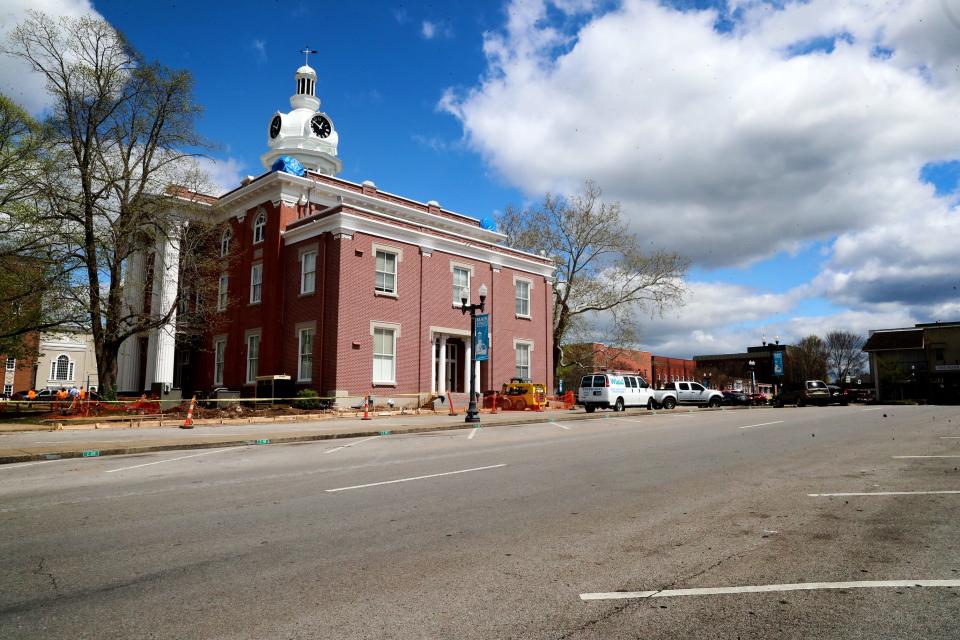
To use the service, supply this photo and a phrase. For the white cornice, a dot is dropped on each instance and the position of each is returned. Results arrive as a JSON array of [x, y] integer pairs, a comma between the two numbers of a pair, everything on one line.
[[348, 223], [279, 186]]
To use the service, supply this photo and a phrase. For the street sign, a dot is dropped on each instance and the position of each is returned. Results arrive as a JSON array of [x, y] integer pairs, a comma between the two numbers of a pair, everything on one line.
[[481, 346], [778, 363]]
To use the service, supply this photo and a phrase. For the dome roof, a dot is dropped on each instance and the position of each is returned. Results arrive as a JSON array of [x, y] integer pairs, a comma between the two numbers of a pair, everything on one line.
[[306, 71]]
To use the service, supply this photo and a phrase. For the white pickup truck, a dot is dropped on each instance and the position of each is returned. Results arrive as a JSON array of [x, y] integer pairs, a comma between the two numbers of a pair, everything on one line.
[[686, 392]]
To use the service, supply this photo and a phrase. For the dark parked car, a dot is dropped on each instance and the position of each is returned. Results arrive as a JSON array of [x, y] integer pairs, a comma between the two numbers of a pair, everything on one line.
[[803, 393], [759, 399], [736, 398], [838, 395]]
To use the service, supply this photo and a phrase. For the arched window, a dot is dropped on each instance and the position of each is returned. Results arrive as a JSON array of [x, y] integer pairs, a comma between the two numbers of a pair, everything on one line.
[[225, 242], [259, 225], [61, 369]]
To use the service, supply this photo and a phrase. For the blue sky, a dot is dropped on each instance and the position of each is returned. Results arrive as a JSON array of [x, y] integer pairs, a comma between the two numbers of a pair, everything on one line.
[[805, 155]]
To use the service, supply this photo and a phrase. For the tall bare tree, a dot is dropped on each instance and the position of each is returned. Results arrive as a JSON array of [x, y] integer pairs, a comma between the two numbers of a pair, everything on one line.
[[122, 130], [808, 359], [601, 267], [845, 356]]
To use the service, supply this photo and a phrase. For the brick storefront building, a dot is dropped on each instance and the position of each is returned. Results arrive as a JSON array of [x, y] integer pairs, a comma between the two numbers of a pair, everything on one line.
[[347, 289], [596, 356]]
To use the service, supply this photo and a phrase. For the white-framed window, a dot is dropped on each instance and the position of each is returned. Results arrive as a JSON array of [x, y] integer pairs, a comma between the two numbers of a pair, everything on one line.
[[461, 285], [522, 350], [223, 288], [308, 272], [384, 353], [219, 359], [11, 364], [225, 242], [183, 304], [259, 227], [7, 389], [253, 357], [522, 297], [386, 272], [256, 283], [61, 369], [305, 351]]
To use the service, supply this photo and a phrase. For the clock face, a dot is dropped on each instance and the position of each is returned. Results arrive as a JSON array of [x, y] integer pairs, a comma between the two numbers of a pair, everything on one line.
[[320, 126], [275, 127]]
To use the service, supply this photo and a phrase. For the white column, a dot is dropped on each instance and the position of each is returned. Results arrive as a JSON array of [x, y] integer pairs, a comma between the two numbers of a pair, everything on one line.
[[468, 354], [167, 279], [128, 362], [442, 368], [433, 366]]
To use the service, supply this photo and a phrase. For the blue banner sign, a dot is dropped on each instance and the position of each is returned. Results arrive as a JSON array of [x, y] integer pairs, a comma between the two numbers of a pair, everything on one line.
[[481, 345], [778, 363]]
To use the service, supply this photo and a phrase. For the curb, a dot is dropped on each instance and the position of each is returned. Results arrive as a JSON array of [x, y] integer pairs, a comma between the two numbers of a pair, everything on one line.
[[314, 437]]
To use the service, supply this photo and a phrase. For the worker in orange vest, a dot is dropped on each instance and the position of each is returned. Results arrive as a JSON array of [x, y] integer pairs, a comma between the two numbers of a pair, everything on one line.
[[31, 395], [83, 393]]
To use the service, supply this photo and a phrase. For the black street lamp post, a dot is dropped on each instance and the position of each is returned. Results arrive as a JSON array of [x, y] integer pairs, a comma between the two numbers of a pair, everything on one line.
[[473, 415]]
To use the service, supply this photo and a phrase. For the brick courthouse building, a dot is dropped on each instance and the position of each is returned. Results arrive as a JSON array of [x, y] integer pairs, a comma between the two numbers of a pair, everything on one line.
[[347, 289]]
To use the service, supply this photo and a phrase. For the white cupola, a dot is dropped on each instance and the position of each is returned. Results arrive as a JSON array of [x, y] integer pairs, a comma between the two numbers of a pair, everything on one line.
[[305, 132]]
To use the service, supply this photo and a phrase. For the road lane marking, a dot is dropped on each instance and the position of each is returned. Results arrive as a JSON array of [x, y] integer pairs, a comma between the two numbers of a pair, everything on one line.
[[432, 475], [473, 432], [906, 457], [880, 493], [627, 419], [874, 409], [768, 588], [194, 455], [20, 465], [557, 424], [335, 449], [950, 437], [762, 424]]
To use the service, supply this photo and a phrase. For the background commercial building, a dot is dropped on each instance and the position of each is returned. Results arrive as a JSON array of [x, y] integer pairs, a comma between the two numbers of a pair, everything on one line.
[[916, 363]]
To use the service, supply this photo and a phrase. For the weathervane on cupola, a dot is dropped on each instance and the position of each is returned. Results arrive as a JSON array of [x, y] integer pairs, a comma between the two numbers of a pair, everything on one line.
[[305, 133]]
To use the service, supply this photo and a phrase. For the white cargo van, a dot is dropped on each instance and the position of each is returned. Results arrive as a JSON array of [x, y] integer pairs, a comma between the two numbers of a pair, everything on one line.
[[614, 390]]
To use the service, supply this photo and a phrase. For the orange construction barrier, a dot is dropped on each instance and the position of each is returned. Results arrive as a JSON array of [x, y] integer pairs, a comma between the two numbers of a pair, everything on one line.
[[570, 401], [366, 408], [188, 423]]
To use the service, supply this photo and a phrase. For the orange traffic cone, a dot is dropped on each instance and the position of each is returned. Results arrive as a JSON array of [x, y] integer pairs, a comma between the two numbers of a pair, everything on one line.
[[188, 423], [453, 411], [493, 407], [366, 408]]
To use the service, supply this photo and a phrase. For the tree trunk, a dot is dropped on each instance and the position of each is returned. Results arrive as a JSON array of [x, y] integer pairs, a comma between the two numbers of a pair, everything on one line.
[[107, 369]]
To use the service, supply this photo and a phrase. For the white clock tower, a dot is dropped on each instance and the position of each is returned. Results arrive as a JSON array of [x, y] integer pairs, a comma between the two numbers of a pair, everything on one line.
[[305, 133]]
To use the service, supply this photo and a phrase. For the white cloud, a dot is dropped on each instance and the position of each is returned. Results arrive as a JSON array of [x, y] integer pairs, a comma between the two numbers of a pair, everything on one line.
[[717, 144], [430, 30], [17, 79], [260, 46], [223, 174]]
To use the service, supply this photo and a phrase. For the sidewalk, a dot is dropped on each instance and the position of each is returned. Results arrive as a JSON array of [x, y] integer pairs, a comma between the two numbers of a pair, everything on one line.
[[18, 445]]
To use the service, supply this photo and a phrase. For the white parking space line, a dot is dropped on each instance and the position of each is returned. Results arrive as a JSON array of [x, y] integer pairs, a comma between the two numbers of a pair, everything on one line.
[[880, 493], [770, 588], [432, 475], [627, 419], [193, 455], [473, 432], [950, 437], [908, 457], [557, 424], [346, 446], [762, 424], [874, 409]]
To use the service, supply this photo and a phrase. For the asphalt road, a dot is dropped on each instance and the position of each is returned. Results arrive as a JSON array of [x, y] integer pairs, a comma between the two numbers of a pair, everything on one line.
[[498, 532]]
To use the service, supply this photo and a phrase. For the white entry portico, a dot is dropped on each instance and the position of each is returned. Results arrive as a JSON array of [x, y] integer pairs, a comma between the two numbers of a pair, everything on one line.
[[450, 359]]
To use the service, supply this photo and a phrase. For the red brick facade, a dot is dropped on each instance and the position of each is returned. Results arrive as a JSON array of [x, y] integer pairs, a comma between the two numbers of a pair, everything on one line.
[[344, 305]]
